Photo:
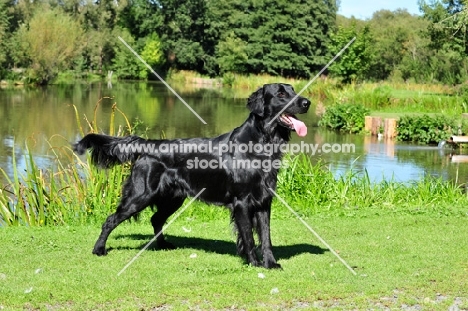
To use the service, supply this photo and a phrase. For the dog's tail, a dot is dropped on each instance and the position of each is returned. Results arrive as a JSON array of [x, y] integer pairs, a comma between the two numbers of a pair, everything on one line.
[[107, 151]]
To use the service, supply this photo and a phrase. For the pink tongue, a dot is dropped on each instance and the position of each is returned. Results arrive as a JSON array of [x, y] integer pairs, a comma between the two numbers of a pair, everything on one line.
[[299, 126]]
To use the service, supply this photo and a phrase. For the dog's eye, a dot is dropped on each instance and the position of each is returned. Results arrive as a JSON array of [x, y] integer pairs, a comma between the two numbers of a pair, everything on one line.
[[281, 94]]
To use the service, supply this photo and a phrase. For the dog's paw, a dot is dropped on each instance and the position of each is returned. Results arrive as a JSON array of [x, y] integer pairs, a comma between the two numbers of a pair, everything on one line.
[[272, 265], [100, 251], [164, 245]]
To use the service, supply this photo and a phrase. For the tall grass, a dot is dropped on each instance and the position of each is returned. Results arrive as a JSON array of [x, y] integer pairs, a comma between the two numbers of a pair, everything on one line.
[[82, 194], [313, 189], [71, 192]]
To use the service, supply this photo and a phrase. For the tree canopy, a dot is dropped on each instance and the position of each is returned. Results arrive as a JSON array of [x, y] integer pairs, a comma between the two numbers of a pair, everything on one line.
[[294, 38]]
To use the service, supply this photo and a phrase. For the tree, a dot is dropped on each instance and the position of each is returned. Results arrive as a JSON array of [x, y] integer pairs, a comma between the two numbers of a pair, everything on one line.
[[4, 24], [287, 38], [448, 36], [152, 53], [124, 63], [99, 20], [183, 35], [141, 17], [398, 44], [50, 42], [354, 63], [231, 54]]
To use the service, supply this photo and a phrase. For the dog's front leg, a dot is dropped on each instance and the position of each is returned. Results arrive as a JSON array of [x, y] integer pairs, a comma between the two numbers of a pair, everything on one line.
[[245, 241], [263, 230]]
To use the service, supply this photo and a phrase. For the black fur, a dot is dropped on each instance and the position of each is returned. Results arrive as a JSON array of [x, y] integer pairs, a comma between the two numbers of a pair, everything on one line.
[[165, 179]]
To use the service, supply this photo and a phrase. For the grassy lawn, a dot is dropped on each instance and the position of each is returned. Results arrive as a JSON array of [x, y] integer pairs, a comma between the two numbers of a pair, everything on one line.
[[401, 261]]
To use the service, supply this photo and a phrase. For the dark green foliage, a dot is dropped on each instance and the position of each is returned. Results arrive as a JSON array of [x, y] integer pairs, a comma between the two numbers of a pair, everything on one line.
[[124, 63], [345, 117], [231, 54], [141, 17], [294, 38], [182, 32], [448, 37], [4, 24], [275, 45], [354, 63], [426, 129]]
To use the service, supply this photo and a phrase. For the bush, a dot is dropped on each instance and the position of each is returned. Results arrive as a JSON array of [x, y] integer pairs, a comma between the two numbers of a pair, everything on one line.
[[345, 117], [428, 130]]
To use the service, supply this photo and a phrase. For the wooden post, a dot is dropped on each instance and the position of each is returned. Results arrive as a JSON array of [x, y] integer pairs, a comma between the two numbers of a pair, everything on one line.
[[373, 125], [368, 124], [390, 126]]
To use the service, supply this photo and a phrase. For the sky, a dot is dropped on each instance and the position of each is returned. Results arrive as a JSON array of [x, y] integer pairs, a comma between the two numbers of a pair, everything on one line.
[[364, 9]]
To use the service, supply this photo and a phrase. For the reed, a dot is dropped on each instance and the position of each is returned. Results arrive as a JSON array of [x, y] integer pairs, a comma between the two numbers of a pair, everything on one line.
[[313, 189]]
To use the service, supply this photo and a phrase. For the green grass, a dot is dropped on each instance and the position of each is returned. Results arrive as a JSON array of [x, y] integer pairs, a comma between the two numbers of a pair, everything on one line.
[[399, 260], [383, 97], [388, 98], [319, 193]]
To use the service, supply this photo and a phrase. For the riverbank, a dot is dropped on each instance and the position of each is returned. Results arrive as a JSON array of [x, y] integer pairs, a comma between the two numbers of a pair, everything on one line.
[[384, 97]]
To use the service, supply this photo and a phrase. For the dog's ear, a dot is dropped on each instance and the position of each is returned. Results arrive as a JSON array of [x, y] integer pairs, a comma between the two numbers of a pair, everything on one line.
[[256, 103]]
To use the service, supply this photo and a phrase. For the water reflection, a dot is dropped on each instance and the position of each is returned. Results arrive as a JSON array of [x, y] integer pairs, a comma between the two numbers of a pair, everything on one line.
[[45, 118], [392, 160]]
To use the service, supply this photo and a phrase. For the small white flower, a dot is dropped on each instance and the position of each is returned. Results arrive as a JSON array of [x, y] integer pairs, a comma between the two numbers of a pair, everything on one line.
[[193, 255], [274, 290], [261, 276], [39, 270]]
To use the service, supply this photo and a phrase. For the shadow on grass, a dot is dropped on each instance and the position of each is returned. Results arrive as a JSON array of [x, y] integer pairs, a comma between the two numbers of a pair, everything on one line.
[[219, 246]]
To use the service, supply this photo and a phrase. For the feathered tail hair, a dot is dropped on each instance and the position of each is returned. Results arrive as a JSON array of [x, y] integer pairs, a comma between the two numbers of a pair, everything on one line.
[[107, 151]]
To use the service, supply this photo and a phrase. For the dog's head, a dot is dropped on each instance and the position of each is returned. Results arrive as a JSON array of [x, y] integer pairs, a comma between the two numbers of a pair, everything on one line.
[[278, 105]]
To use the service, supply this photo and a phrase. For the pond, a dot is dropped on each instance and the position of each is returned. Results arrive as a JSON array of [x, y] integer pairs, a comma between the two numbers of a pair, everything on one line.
[[45, 120]]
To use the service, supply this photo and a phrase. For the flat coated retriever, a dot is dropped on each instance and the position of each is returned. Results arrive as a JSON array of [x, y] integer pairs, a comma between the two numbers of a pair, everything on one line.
[[235, 169]]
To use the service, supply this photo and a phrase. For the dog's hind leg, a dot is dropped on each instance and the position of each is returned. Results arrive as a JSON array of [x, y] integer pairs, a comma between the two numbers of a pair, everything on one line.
[[166, 207], [245, 241], [137, 194], [128, 207]]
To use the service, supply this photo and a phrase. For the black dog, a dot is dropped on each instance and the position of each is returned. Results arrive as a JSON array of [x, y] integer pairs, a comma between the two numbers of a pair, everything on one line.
[[235, 169]]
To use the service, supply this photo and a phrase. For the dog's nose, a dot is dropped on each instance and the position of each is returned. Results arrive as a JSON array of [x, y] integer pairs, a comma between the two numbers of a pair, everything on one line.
[[305, 103]]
